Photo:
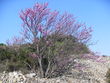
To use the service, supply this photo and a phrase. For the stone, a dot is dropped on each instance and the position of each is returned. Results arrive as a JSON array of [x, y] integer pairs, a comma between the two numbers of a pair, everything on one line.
[[31, 75]]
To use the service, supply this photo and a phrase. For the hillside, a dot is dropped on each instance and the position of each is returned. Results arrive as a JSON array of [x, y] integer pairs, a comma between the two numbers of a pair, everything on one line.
[[93, 71]]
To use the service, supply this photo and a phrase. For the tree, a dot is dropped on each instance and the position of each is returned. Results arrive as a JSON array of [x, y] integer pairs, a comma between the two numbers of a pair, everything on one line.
[[40, 22]]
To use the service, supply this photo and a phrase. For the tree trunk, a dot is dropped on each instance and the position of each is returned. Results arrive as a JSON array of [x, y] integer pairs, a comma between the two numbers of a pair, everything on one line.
[[48, 68], [41, 68]]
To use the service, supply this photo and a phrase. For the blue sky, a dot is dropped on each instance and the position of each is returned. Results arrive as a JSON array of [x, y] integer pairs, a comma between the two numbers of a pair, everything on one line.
[[95, 13]]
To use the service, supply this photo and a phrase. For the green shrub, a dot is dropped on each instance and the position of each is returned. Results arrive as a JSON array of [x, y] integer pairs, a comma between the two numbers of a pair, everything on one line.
[[15, 57], [68, 44], [2, 44], [18, 57], [4, 53]]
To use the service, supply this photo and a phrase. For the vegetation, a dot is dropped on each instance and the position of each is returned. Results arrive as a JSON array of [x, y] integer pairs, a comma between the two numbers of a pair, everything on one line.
[[48, 39], [108, 76], [23, 57]]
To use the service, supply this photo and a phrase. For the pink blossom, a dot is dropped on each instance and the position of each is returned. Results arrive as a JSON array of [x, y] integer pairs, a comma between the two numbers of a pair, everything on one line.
[[41, 21], [34, 55]]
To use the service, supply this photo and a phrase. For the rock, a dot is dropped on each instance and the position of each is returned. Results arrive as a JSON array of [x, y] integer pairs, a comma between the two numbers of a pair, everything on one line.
[[13, 77], [31, 75], [16, 77]]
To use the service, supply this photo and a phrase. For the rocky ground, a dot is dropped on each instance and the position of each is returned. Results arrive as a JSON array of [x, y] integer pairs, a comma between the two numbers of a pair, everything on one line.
[[87, 70]]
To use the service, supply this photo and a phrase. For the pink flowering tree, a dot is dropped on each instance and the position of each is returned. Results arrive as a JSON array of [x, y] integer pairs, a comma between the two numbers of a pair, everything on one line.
[[40, 22]]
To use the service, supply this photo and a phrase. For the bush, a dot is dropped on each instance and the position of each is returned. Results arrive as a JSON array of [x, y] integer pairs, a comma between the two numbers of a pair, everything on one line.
[[58, 53], [2, 44], [15, 58], [68, 44], [20, 57], [4, 53], [108, 76]]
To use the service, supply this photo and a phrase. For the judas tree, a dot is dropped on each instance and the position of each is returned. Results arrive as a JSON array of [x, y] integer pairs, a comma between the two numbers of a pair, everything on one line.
[[40, 23]]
